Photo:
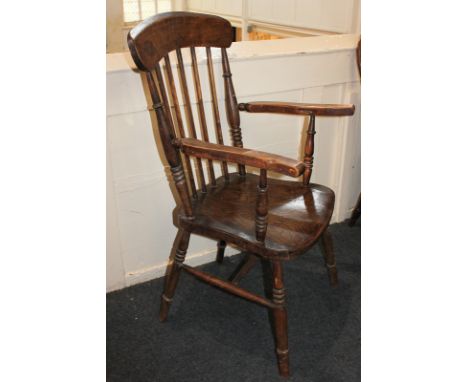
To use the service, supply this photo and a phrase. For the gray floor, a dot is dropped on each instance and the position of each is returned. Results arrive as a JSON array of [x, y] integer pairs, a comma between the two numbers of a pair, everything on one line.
[[213, 336]]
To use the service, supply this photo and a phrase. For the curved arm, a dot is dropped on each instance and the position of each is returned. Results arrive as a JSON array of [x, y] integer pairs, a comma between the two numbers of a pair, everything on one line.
[[258, 159], [297, 108]]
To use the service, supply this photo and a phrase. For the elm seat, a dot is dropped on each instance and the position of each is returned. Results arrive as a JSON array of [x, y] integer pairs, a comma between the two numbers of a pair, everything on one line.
[[297, 215]]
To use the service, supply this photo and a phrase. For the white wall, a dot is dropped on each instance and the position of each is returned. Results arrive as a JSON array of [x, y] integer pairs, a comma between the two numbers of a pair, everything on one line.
[[114, 24], [222, 7], [327, 16], [140, 203]]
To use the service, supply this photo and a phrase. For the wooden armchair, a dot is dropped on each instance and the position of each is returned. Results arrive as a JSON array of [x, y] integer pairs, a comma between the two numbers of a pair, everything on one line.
[[269, 219]]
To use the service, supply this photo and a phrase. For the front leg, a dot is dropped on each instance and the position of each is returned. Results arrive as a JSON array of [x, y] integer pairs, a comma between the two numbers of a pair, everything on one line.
[[280, 319], [173, 273]]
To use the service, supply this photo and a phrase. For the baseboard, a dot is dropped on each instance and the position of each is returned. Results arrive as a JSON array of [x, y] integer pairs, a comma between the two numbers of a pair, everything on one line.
[[159, 270]]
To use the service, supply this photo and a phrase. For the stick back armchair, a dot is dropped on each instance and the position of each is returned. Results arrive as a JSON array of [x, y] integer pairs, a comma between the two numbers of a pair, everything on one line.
[[268, 219]]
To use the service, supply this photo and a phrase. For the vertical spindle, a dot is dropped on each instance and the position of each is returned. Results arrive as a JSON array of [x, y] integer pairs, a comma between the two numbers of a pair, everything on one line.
[[189, 114], [261, 216], [232, 110], [172, 154], [217, 120], [201, 111], [178, 118], [309, 151]]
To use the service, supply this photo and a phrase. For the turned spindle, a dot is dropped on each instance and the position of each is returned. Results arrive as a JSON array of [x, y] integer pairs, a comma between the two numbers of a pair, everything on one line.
[[309, 151]]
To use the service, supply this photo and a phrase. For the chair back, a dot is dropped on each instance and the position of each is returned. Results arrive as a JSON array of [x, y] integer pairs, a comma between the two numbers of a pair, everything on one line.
[[151, 43]]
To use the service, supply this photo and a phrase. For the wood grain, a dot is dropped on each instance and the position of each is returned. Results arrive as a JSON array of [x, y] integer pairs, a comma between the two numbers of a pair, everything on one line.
[[154, 37], [297, 108], [258, 159]]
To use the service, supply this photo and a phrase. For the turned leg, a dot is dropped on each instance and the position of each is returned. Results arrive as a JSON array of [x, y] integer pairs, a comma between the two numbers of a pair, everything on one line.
[[173, 272], [280, 320], [220, 254], [329, 256], [248, 262], [356, 213]]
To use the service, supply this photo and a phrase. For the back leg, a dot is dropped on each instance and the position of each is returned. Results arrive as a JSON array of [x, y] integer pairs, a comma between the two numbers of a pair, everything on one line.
[[329, 256], [356, 213], [220, 254], [173, 272], [248, 262]]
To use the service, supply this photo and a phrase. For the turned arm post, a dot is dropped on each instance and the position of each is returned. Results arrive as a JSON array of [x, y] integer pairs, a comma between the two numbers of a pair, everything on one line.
[[261, 210], [309, 150], [171, 152], [232, 110]]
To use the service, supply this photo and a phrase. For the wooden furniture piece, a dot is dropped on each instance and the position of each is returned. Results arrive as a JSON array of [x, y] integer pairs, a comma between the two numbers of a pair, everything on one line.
[[269, 219], [356, 214]]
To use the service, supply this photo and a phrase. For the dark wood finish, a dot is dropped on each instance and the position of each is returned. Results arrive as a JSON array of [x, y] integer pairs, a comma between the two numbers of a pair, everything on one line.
[[214, 98], [309, 151], [356, 214], [270, 219], [189, 115], [232, 111], [229, 287], [201, 111], [172, 155], [329, 256], [220, 253], [258, 159], [280, 319], [178, 120], [297, 215], [297, 108], [158, 35], [181, 242], [163, 96], [261, 209], [247, 263]]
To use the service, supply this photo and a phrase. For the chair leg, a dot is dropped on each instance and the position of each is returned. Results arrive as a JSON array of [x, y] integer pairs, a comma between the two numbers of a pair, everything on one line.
[[248, 262], [329, 256], [173, 272], [356, 213], [220, 254], [280, 320]]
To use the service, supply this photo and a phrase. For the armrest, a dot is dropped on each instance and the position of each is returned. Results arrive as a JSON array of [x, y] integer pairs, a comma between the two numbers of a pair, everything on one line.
[[258, 159], [297, 108]]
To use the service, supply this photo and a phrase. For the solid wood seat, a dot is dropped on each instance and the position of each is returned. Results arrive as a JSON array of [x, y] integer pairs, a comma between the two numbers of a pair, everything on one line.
[[265, 217], [297, 215]]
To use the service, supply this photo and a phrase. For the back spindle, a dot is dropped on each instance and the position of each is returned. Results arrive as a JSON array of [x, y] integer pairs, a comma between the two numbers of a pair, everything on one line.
[[232, 110], [178, 119], [217, 120], [163, 96], [189, 115], [172, 154], [201, 111]]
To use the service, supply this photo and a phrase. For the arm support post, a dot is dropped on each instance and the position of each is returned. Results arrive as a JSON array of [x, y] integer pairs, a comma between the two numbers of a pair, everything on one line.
[[309, 151], [261, 210]]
